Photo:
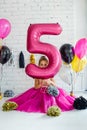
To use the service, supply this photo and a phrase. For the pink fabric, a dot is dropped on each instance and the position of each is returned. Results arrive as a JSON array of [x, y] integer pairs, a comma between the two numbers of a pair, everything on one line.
[[37, 100]]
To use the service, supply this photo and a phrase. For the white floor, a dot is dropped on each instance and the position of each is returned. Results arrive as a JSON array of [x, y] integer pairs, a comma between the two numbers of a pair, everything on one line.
[[72, 120]]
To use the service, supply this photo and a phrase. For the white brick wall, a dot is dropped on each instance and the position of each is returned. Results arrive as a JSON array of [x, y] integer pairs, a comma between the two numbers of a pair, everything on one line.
[[23, 13]]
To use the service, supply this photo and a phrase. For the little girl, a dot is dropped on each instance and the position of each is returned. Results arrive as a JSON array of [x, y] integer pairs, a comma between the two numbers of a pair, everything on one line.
[[43, 62], [36, 99]]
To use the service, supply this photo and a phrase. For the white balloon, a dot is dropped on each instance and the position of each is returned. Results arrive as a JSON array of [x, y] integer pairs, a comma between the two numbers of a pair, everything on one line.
[[66, 74]]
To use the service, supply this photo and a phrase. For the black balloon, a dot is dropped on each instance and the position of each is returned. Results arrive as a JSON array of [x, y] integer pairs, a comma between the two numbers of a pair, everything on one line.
[[4, 54], [67, 53]]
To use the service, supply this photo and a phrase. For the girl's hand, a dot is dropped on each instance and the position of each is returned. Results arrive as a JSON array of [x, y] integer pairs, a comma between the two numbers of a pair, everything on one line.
[[51, 82], [47, 82]]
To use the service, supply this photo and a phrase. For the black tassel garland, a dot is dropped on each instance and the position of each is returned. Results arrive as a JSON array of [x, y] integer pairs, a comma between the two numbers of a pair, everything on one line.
[[21, 60]]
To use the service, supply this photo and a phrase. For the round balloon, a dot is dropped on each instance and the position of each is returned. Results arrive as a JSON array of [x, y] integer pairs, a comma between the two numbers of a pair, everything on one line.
[[34, 45], [4, 54], [66, 74], [78, 64], [5, 28], [67, 53], [81, 48]]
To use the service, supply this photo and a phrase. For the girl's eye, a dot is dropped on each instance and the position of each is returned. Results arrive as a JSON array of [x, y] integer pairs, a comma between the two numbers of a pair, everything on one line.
[[41, 64]]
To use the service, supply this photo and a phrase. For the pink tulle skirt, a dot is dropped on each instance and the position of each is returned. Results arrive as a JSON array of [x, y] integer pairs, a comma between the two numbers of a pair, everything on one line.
[[38, 100]]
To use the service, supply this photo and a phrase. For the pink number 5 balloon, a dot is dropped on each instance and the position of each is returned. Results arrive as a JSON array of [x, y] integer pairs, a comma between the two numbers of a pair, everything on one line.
[[34, 45]]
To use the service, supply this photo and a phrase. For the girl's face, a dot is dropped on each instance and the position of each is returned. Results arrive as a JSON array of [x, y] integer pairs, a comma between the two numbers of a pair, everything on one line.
[[43, 64]]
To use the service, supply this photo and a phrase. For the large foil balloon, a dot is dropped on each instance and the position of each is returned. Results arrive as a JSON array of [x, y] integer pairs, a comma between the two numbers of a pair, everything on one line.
[[78, 64], [4, 54], [5, 28], [67, 53], [81, 48], [34, 45]]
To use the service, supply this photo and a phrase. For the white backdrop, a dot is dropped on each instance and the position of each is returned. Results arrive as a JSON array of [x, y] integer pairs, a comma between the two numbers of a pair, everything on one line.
[[72, 16]]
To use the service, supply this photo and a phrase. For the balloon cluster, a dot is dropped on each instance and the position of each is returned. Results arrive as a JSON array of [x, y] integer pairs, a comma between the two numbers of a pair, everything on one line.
[[5, 28], [74, 61], [80, 60], [75, 55]]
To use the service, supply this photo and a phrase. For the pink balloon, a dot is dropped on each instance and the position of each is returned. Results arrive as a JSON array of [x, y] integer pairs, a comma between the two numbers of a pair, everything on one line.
[[34, 45], [5, 28], [81, 48]]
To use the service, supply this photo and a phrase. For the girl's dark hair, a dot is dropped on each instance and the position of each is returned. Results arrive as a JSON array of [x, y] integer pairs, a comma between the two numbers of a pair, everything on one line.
[[42, 58]]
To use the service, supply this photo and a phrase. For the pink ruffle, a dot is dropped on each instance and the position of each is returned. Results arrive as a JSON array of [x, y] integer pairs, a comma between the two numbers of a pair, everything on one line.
[[37, 100]]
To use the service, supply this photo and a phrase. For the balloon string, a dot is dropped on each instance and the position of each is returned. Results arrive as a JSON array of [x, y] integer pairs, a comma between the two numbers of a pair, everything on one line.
[[1, 78], [73, 79], [0, 42], [71, 82]]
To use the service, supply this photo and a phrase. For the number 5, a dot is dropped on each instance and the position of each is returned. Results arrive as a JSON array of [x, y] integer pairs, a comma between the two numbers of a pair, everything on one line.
[[34, 45]]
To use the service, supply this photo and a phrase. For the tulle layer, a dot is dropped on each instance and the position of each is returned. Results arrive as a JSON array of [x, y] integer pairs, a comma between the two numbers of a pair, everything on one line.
[[38, 100]]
